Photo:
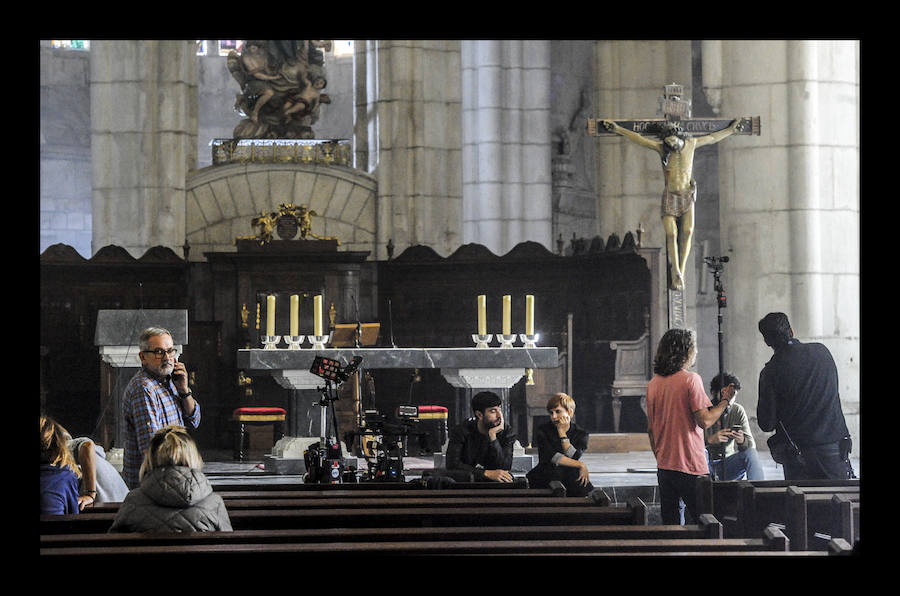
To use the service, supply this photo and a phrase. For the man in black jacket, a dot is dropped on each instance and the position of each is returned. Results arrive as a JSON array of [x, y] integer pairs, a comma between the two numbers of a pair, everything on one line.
[[799, 400], [483, 446]]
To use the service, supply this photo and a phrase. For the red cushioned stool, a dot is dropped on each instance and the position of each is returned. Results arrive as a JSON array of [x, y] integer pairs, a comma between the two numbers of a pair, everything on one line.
[[257, 415]]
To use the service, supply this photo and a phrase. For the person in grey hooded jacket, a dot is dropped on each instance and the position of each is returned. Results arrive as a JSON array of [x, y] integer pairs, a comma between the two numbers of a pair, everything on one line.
[[174, 494]]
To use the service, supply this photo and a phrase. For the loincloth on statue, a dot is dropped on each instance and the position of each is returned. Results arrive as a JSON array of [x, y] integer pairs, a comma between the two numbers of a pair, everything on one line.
[[677, 204]]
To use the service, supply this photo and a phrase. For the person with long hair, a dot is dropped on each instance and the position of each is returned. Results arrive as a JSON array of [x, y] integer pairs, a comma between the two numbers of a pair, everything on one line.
[[59, 472], [678, 412], [174, 495]]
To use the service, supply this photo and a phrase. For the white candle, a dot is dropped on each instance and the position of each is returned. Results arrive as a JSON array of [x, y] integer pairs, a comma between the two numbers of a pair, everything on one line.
[[295, 315], [482, 316], [529, 314], [317, 315], [507, 305], [270, 315]]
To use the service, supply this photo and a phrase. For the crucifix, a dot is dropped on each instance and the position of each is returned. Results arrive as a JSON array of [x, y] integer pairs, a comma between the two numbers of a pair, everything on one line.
[[677, 136]]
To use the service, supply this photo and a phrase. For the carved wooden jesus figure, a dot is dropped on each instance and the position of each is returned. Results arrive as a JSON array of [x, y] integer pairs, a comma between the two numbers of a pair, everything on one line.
[[676, 150]]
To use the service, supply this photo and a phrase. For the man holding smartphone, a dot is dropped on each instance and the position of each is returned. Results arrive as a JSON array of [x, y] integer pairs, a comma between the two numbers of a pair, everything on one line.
[[730, 437], [156, 396]]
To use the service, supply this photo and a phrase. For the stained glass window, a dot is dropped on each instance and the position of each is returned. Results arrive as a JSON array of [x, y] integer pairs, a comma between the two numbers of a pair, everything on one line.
[[226, 45], [71, 44], [342, 47]]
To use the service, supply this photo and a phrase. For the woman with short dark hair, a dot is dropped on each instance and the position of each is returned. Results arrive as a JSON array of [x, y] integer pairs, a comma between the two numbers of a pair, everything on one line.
[[560, 444]]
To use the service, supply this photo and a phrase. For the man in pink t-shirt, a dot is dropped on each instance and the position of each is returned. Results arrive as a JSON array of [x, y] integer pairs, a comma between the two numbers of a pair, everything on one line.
[[678, 411]]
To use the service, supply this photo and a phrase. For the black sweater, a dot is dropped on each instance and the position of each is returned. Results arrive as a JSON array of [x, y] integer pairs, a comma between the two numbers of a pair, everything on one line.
[[799, 386], [469, 450]]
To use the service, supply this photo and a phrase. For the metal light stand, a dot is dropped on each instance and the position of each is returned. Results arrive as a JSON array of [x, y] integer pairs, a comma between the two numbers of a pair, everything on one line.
[[332, 372], [716, 265], [328, 398]]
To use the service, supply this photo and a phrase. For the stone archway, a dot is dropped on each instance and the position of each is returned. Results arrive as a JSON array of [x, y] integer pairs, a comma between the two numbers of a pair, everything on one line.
[[222, 199]]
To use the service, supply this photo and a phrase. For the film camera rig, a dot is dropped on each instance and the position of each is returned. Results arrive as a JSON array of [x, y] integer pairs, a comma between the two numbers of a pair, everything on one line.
[[382, 443], [324, 459]]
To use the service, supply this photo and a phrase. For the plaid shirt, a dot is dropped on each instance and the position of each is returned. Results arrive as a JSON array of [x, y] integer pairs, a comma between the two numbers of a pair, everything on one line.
[[150, 403]]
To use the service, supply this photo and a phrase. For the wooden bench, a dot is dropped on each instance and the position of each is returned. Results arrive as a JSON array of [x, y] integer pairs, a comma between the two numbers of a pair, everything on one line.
[[368, 516], [708, 528], [772, 541], [845, 518], [517, 484], [263, 492], [723, 499], [233, 504], [761, 506], [810, 516]]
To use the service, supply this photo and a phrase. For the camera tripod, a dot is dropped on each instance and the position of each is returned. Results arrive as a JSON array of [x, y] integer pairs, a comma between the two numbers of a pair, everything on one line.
[[716, 266]]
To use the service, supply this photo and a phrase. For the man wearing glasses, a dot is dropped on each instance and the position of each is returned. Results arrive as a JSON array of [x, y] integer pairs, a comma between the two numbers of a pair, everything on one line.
[[156, 396]]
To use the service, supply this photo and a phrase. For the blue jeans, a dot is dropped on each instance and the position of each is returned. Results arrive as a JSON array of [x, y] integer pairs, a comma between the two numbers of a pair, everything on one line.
[[677, 492], [743, 462], [819, 462]]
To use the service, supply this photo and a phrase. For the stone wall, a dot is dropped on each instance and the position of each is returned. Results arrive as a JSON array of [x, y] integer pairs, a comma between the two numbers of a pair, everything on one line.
[[407, 127], [223, 199], [790, 202], [506, 139], [65, 149], [143, 141]]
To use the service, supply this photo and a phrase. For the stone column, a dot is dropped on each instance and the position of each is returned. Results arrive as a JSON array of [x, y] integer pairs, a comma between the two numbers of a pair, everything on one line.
[[790, 203], [143, 141], [407, 134], [574, 163], [507, 186]]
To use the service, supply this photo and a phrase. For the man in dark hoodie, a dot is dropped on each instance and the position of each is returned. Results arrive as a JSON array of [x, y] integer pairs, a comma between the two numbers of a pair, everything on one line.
[[483, 445]]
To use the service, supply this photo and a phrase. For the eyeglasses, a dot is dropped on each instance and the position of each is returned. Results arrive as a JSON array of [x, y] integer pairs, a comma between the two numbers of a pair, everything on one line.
[[160, 352]]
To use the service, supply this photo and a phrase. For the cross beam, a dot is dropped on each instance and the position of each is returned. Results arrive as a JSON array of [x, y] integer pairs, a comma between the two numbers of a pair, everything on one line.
[[750, 125]]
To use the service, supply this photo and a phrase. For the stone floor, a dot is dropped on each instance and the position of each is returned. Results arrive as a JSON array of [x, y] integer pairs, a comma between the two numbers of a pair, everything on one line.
[[619, 474]]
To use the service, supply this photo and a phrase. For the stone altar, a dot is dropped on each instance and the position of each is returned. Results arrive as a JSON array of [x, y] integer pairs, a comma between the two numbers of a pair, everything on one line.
[[478, 369]]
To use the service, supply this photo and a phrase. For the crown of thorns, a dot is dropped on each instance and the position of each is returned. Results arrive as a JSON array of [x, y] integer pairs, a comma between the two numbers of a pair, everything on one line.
[[669, 129]]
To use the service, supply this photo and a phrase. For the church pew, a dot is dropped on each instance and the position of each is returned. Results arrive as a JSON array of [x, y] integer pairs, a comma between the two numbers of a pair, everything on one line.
[[517, 484], [773, 541], [634, 512], [708, 528], [388, 502], [722, 498], [761, 506], [845, 518], [263, 492], [265, 498], [809, 514]]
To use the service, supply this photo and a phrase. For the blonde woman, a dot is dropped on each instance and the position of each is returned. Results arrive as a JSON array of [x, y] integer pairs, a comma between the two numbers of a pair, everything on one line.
[[561, 443], [59, 472], [174, 495]]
